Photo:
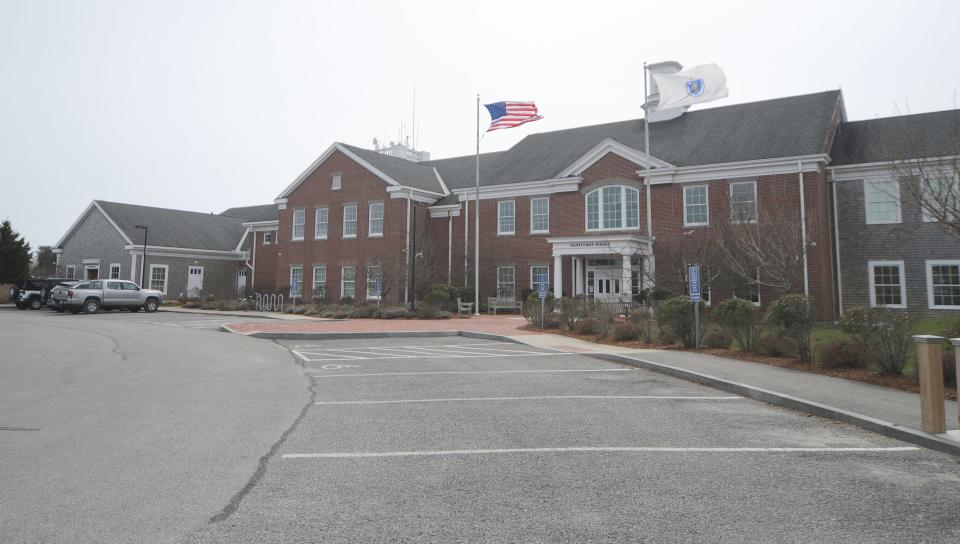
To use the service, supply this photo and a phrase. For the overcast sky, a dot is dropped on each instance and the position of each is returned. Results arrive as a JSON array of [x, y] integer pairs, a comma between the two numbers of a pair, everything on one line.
[[204, 105]]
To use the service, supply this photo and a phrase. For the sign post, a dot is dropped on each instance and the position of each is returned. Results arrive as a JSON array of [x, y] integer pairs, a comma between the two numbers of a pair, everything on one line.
[[542, 293], [693, 279]]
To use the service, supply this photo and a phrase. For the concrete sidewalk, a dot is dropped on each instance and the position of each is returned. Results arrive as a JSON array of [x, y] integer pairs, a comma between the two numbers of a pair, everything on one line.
[[900, 408], [251, 314]]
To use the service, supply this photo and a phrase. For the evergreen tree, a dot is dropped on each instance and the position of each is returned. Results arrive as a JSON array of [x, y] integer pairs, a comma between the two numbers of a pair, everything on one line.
[[14, 255], [46, 262]]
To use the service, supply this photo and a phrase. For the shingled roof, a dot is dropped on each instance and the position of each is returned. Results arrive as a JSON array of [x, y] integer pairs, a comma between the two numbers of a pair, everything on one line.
[[411, 174], [782, 127], [175, 228], [250, 214], [922, 135]]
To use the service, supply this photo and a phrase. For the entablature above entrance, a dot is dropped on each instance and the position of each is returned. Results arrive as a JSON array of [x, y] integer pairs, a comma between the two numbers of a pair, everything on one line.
[[613, 244]]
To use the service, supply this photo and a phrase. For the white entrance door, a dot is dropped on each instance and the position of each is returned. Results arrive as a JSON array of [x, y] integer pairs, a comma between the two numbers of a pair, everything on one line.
[[607, 284], [242, 280], [194, 280]]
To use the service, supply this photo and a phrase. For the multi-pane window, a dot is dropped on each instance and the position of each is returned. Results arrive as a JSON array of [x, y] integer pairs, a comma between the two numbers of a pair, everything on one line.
[[348, 282], [71, 271], [743, 202], [506, 281], [335, 182], [298, 218], [321, 223], [296, 281], [506, 221], [887, 284], [375, 223], [882, 201], [114, 271], [540, 214], [267, 238], [374, 276], [613, 207], [350, 221], [943, 279], [539, 275], [319, 281], [695, 208], [158, 277]]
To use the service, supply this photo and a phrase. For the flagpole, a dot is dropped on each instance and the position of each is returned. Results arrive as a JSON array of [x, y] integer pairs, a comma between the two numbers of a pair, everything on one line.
[[476, 225], [646, 139]]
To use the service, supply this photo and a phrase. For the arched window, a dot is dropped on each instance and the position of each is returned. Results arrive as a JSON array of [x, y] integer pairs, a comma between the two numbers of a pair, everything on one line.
[[613, 207]]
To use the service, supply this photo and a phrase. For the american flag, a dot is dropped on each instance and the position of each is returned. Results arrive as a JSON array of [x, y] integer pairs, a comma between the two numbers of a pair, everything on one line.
[[511, 114]]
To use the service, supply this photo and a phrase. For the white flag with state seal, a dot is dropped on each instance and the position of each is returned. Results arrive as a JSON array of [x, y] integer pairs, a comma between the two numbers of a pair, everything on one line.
[[692, 86]]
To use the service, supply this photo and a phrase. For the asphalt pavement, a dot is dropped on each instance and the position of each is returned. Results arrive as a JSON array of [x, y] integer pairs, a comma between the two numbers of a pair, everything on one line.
[[460, 440]]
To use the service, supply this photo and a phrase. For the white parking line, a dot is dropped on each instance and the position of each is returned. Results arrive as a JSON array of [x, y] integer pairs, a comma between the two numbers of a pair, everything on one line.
[[552, 397], [473, 372], [316, 356], [434, 453]]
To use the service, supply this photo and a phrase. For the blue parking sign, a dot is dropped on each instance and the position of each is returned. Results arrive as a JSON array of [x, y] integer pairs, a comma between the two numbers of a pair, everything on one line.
[[542, 290], [376, 287], [693, 277]]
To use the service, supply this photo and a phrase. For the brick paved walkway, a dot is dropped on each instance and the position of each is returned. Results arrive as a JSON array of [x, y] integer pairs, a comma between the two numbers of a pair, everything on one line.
[[507, 325]]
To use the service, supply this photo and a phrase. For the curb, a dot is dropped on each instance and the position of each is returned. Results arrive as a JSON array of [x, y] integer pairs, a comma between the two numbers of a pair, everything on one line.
[[885, 428], [252, 314]]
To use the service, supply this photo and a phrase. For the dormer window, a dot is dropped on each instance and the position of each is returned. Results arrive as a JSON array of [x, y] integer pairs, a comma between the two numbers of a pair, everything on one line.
[[613, 207]]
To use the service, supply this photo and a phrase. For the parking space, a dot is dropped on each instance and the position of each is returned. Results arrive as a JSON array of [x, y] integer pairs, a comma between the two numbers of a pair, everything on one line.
[[453, 439]]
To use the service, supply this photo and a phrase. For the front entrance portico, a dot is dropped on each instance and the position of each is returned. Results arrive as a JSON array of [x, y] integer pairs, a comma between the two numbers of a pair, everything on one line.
[[603, 265]]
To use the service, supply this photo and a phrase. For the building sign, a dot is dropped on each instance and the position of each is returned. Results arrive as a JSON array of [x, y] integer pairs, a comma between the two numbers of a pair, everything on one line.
[[589, 244]]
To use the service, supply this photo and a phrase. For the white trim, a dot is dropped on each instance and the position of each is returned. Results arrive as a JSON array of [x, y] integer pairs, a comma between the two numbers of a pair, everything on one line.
[[706, 188], [930, 264], [366, 282], [383, 218], [513, 217], [732, 170], [856, 171], [866, 201], [356, 221], [261, 224], [609, 145], [526, 188], [91, 261], [184, 252], [603, 244], [418, 195], [70, 271], [166, 277], [316, 222], [756, 201], [336, 181], [531, 267], [290, 280], [293, 225], [446, 210], [281, 203], [76, 224], [342, 268], [443, 185], [110, 273], [547, 230], [871, 279]]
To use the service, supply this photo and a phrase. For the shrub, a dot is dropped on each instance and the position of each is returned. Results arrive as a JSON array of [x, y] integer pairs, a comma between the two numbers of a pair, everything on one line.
[[951, 329], [572, 310], [426, 311], [887, 334], [393, 312], [774, 346], [551, 321], [949, 368], [587, 325], [626, 330], [347, 301], [843, 353], [790, 316], [658, 294], [442, 295], [603, 317], [191, 304], [525, 293], [647, 324], [531, 308], [361, 312], [740, 319], [675, 321], [312, 311], [716, 339]]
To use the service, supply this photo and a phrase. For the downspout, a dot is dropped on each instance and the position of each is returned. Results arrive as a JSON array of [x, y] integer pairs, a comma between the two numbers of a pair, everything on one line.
[[406, 286], [253, 270], [466, 241], [803, 231], [836, 243], [449, 248]]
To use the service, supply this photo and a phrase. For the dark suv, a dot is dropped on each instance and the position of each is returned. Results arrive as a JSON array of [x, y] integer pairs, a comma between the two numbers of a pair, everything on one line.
[[34, 292]]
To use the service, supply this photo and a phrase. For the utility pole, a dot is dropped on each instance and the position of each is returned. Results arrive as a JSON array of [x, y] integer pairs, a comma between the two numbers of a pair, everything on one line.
[[143, 260]]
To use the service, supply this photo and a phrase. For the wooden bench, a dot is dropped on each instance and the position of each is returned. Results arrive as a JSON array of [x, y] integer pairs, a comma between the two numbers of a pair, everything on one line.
[[464, 307], [502, 303]]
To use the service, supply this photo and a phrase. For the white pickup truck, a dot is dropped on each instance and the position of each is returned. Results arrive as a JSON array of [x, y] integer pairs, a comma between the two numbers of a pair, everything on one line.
[[94, 295]]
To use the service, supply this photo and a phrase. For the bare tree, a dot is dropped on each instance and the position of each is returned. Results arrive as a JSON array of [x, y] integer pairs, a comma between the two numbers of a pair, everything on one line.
[[933, 184]]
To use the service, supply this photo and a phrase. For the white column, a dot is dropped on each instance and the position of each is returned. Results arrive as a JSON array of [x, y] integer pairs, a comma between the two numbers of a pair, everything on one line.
[[625, 290], [582, 276], [557, 276], [577, 276], [133, 268], [449, 248]]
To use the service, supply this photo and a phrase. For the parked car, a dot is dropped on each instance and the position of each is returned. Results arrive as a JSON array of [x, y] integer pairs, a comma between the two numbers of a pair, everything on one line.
[[58, 295], [94, 295], [34, 292]]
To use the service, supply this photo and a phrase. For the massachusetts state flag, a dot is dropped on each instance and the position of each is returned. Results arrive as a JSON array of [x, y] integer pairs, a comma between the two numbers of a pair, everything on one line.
[[511, 114]]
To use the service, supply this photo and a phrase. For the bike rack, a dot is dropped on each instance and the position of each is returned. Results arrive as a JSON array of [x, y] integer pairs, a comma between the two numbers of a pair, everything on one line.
[[269, 302]]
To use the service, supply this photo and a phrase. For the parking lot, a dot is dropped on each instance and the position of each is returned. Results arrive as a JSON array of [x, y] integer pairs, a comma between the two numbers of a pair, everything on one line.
[[159, 318], [455, 439]]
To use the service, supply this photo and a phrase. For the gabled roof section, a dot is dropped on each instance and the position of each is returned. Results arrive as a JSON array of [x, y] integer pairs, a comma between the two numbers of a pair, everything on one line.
[[609, 145], [94, 205], [779, 128], [917, 136], [251, 214], [394, 171], [175, 228]]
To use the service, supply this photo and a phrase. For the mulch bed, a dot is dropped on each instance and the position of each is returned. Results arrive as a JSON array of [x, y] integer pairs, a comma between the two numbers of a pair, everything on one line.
[[903, 383]]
